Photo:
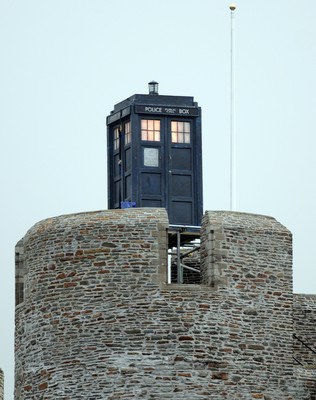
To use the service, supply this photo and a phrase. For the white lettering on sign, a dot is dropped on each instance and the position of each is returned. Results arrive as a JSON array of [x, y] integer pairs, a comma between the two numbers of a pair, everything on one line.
[[170, 110], [167, 110], [153, 109]]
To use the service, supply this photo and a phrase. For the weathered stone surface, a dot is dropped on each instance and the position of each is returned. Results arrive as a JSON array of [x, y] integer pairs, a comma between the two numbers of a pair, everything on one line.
[[98, 321], [1, 385], [304, 327]]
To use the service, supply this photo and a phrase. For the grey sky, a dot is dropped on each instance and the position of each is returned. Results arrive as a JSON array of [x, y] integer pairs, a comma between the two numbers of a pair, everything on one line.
[[65, 63]]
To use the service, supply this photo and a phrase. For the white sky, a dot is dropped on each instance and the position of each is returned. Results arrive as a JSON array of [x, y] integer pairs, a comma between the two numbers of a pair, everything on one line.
[[65, 63]]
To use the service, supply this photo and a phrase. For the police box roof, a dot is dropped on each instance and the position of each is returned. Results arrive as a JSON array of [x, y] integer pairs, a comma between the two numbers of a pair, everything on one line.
[[159, 100]]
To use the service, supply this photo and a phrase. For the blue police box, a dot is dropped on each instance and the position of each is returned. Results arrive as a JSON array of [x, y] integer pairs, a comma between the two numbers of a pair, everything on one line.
[[154, 155]]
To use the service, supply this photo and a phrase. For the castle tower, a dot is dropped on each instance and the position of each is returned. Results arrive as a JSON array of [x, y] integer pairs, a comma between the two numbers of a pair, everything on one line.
[[155, 155], [98, 320]]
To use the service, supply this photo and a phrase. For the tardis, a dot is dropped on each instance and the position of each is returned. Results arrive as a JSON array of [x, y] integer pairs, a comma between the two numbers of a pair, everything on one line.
[[155, 155]]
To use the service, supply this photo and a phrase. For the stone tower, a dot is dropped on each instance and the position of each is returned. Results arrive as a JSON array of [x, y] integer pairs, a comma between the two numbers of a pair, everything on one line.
[[96, 319]]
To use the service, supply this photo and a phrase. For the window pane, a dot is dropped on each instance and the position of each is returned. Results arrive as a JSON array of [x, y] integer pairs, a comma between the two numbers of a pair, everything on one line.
[[186, 127], [128, 135], [150, 130], [144, 123], [180, 132], [116, 139]]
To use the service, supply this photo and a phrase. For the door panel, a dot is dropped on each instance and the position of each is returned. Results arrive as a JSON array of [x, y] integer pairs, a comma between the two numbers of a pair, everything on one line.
[[181, 212], [151, 184], [180, 171], [166, 169], [181, 158], [181, 185], [152, 163]]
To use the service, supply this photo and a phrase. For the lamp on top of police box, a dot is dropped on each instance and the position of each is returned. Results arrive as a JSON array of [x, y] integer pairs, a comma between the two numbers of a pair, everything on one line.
[[153, 87]]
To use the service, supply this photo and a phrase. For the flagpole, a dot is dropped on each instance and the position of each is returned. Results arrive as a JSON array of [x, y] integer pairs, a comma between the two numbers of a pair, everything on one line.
[[232, 8]]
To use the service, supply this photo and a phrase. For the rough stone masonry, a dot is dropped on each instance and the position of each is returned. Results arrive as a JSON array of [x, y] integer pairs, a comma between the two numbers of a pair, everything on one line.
[[1, 384], [95, 318]]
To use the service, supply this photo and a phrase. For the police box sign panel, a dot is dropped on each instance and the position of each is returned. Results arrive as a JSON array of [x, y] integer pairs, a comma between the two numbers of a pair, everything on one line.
[[154, 109]]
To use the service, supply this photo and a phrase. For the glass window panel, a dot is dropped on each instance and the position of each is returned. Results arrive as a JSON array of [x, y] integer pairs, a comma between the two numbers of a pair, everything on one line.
[[144, 124], [128, 137], [180, 132], [150, 130], [116, 139]]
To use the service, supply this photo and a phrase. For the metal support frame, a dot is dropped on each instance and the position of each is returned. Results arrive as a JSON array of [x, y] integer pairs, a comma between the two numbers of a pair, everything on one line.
[[184, 237], [179, 267]]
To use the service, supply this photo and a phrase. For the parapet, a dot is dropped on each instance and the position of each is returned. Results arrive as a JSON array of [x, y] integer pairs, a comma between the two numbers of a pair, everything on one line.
[[242, 251]]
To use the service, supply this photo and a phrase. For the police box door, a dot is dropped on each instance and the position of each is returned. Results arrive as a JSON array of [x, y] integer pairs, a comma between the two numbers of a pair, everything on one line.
[[180, 164]]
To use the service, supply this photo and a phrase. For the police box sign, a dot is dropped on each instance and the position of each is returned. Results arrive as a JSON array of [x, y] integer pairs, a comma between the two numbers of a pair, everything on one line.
[[154, 109]]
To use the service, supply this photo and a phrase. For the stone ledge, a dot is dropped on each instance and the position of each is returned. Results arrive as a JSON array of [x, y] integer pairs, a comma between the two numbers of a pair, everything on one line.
[[186, 287]]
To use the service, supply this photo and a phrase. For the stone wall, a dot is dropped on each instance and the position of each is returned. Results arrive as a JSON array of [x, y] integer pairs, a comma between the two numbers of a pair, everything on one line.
[[98, 320], [89, 280], [248, 260], [1, 385], [19, 272], [304, 340], [304, 327]]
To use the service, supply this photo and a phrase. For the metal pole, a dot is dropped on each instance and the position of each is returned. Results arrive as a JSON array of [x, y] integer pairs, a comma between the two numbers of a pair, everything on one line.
[[179, 266], [232, 114], [169, 268]]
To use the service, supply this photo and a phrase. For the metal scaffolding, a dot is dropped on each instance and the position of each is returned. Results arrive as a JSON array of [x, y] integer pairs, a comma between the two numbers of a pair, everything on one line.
[[183, 242]]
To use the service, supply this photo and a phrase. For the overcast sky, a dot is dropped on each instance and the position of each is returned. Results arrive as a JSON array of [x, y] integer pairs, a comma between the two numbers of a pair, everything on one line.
[[65, 63]]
